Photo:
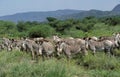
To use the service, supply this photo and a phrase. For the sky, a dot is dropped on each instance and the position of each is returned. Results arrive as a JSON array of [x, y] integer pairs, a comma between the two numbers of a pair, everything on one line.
[[8, 7]]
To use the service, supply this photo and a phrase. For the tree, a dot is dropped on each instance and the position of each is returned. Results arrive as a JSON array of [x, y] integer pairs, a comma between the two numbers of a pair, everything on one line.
[[41, 31], [51, 19], [7, 27], [21, 26], [112, 21]]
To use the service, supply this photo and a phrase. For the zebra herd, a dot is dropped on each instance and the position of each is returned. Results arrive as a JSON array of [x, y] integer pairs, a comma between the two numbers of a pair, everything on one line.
[[49, 47]]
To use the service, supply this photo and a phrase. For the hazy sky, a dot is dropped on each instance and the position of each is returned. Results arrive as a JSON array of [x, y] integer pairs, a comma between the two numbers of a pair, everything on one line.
[[15, 6]]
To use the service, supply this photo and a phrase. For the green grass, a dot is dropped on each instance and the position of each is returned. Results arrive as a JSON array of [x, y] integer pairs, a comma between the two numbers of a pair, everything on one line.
[[19, 64], [101, 61]]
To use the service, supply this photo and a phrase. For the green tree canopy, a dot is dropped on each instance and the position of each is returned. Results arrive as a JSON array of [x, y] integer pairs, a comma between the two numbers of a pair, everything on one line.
[[41, 31]]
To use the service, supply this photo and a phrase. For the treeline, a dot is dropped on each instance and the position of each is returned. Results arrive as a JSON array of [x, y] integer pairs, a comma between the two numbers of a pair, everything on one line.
[[88, 26]]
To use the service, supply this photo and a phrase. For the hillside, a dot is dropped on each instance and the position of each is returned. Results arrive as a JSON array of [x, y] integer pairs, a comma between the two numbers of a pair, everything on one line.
[[60, 14], [97, 13], [117, 8], [37, 16]]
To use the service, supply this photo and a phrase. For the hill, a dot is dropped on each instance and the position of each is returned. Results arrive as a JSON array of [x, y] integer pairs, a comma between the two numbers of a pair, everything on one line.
[[97, 13], [60, 14], [37, 16], [117, 8]]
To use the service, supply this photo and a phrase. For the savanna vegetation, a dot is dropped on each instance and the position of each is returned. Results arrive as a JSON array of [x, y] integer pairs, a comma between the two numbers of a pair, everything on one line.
[[89, 26], [19, 64]]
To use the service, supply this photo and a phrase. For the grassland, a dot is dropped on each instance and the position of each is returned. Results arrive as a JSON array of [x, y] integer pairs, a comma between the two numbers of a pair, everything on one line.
[[19, 64]]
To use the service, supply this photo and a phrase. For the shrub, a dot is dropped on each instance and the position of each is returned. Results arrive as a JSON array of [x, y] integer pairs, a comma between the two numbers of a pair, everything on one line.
[[41, 31], [101, 61], [104, 73], [75, 33]]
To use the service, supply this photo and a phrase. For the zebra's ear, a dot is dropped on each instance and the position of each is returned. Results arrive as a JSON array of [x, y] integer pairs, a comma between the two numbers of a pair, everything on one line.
[[12, 40], [36, 41], [89, 38], [40, 42], [85, 38]]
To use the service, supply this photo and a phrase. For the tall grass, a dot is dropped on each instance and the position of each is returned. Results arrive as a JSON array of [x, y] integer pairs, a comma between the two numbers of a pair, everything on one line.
[[101, 61], [19, 64]]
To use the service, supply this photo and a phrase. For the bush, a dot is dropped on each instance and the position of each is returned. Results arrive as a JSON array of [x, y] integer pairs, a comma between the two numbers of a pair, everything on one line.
[[41, 31], [101, 61], [75, 33], [104, 73]]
